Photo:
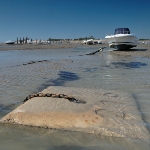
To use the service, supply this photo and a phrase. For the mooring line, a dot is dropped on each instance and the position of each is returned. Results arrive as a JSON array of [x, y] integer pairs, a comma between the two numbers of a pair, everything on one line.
[[92, 53]]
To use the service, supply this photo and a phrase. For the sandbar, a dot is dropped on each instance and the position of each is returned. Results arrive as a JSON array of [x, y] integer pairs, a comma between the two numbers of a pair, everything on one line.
[[108, 113], [142, 50]]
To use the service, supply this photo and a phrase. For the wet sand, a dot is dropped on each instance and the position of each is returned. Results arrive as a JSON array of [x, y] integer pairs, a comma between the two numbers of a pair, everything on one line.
[[43, 46], [142, 50], [107, 113]]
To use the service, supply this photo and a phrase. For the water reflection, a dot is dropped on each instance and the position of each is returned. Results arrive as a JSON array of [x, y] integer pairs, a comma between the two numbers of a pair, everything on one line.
[[129, 64], [64, 76], [105, 71], [113, 61]]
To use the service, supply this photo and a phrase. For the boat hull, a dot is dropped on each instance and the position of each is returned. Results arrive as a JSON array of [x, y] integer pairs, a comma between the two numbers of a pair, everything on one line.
[[122, 46], [10, 42], [122, 41], [89, 42]]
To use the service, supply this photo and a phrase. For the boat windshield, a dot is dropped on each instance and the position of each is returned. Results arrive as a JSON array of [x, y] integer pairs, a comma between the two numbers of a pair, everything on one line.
[[122, 31]]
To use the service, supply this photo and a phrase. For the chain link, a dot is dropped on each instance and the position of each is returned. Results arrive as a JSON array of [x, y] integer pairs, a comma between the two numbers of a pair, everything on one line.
[[70, 98]]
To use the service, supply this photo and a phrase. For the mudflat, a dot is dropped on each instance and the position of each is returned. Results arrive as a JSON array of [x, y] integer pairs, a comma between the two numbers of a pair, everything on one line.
[[35, 46], [54, 45], [142, 50], [108, 113]]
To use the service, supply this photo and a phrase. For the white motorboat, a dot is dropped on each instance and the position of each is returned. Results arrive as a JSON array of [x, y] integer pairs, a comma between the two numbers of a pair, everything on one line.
[[10, 42], [90, 41], [122, 39], [29, 41], [48, 42], [40, 42]]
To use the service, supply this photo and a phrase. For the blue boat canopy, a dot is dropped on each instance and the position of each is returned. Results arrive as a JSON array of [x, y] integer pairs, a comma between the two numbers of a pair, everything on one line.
[[122, 31]]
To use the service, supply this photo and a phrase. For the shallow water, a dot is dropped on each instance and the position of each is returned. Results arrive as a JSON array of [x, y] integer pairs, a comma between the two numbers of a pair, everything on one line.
[[24, 72]]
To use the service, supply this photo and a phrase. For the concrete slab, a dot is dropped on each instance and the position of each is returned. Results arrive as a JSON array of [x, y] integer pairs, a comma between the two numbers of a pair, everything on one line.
[[109, 113]]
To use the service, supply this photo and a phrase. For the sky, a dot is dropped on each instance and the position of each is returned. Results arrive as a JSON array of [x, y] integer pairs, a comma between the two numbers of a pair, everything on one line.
[[69, 19]]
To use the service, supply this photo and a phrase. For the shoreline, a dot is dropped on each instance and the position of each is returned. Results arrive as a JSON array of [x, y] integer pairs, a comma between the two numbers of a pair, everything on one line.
[[142, 50], [62, 45]]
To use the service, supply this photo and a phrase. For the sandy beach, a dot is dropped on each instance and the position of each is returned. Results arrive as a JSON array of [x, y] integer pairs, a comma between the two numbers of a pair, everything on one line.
[[53, 45], [39, 46], [142, 50]]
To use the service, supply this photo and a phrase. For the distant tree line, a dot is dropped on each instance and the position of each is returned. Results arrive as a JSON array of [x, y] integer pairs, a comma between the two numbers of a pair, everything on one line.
[[51, 39], [23, 40], [86, 38], [76, 39], [143, 39]]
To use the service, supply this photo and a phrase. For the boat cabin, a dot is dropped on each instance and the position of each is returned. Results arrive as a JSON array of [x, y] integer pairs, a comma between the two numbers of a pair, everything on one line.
[[122, 31]]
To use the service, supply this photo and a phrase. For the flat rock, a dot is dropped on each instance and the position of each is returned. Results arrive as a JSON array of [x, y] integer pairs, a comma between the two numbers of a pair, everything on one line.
[[109, 113]]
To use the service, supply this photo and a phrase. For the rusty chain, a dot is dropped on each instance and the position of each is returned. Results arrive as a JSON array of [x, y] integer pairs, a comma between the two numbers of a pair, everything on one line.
[[70, 98]]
